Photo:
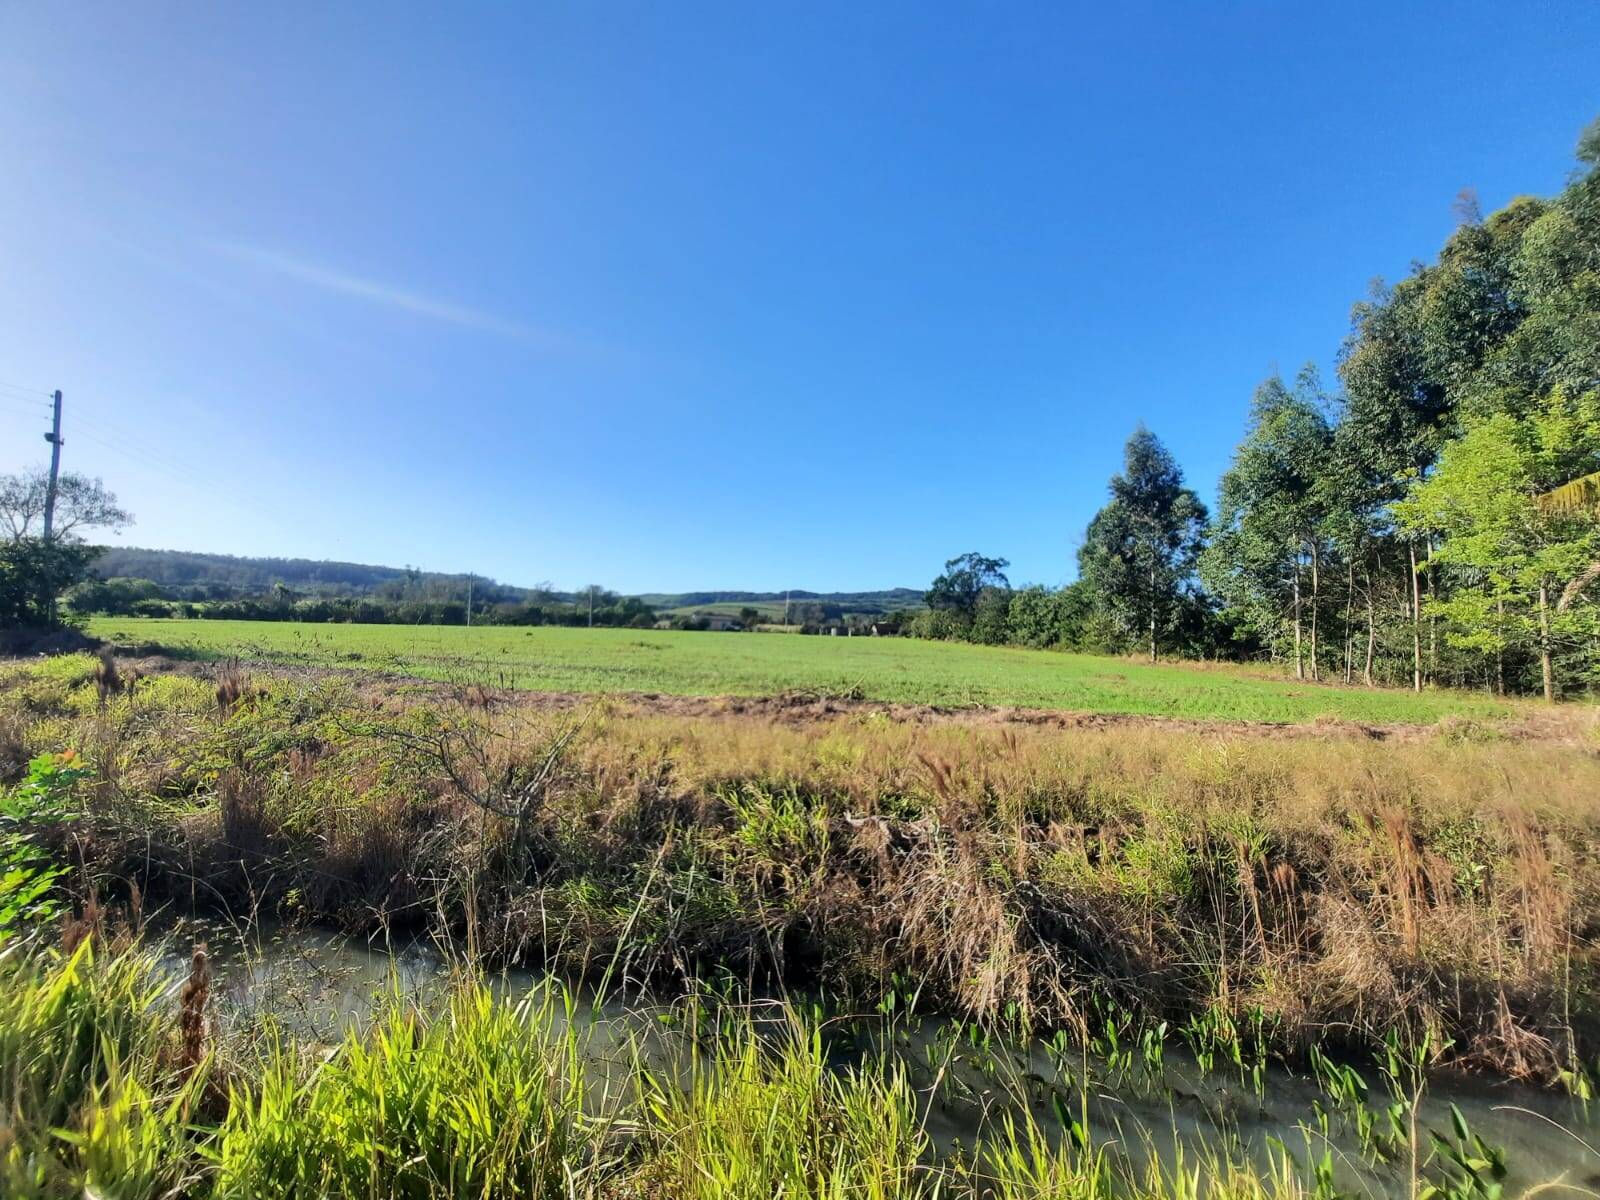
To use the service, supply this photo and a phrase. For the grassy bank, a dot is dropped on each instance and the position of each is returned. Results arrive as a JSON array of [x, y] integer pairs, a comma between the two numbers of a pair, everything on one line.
[[600, 661], [115, 1082], [1329, 890]]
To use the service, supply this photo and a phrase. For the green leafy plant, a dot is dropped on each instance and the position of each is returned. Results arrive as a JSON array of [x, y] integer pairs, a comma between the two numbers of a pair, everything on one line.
[[1473, 1169], [27, 877]]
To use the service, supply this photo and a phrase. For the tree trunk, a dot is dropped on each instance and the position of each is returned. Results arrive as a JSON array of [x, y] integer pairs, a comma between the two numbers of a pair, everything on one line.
[[1500, 649], [1299, 662], [1416, 620], [1349, 616], [1152, 616], [1546, 667], [1372, 632], [1433, 621], [1316, 590]]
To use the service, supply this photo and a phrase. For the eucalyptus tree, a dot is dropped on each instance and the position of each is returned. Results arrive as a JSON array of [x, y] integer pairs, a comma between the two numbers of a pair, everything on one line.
[[1397, 413], [1358, 527], [1271, 519], [1139, 554]]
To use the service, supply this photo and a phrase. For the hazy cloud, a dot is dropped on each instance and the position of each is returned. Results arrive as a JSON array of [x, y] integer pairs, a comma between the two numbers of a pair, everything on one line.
[[381, 293]]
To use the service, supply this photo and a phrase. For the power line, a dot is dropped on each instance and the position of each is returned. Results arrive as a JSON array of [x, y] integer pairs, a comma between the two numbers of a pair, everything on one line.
[[127, 445], [183, 475], [43, 395]]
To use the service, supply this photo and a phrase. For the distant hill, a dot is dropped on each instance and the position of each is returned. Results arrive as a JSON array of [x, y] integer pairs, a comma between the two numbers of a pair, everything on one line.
[[199, 575], [180, 568]]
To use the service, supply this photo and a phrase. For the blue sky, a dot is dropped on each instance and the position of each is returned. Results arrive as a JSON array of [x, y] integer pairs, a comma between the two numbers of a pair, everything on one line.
[[668, 296]]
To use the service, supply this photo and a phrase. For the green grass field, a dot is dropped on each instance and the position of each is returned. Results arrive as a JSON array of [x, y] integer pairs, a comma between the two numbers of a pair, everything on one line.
[[714, 664], [770, 610]]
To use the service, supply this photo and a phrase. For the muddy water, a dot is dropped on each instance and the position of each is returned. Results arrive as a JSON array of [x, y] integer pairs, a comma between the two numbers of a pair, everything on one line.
[[317, 984]]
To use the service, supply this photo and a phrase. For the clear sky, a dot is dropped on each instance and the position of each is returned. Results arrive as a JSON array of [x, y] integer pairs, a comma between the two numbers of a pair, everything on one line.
[[687, 295]]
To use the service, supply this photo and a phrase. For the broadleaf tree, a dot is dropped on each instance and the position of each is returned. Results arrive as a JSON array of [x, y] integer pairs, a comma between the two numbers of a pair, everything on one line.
[[1513, 556]]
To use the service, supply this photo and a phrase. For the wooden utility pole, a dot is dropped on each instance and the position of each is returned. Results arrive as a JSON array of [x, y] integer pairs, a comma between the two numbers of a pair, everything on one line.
[[54, 438]]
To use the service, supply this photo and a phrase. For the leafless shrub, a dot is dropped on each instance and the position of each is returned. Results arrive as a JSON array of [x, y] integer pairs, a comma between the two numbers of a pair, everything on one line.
[[469, 752]]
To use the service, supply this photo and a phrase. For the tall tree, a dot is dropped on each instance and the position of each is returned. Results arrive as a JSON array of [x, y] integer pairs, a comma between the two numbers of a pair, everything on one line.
[[81, 503], [964, 580], [1267, 541], [1518, 554], [1139, 553], [36, 570]]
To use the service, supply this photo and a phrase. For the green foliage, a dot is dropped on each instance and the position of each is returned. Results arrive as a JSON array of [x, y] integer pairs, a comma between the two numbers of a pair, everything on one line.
[[27, 875], [1506, 552], [116, 597], [991, 617], [1473, 369], [1138, 556], [71, 1031], [1270, 526], [1473, 1169], [966, 578], [481, 1099], [33, 573], [476, 1095], [760, 1119], [1041, 617]]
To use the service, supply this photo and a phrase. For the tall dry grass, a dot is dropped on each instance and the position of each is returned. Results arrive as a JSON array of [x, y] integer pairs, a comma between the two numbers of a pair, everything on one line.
[[1329, 886]]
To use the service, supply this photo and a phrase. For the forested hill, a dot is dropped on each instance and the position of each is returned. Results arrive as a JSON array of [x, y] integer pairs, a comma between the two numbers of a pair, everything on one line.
[[247, 576], [200, 576]]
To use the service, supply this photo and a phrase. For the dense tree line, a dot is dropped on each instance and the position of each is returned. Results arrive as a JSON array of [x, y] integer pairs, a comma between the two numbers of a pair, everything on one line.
[[188, 575], [1400, 530], [142, 597], [1393, 532]]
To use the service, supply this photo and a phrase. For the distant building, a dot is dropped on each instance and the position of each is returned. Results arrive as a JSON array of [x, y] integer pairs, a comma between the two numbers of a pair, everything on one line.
[[720, 622]]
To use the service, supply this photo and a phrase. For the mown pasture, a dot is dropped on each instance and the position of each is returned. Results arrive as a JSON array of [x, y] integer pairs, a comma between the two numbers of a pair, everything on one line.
[[902, 670]]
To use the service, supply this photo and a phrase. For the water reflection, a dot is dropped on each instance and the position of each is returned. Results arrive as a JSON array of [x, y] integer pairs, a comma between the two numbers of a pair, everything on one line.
[[316, 984]]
